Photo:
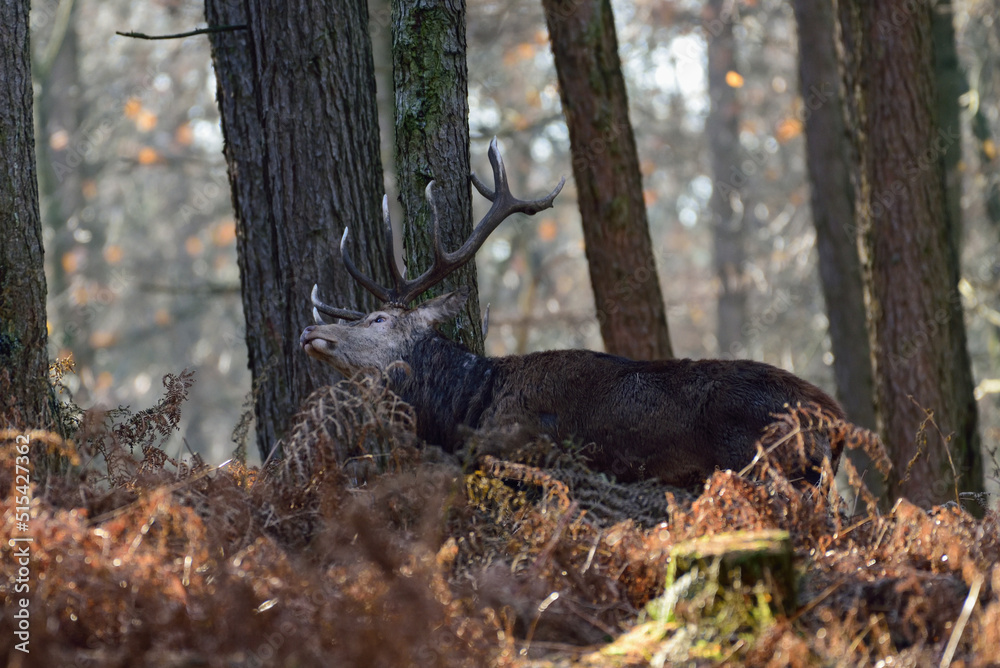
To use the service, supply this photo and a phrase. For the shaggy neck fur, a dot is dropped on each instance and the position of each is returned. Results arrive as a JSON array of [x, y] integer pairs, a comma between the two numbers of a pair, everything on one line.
[[448, 386]]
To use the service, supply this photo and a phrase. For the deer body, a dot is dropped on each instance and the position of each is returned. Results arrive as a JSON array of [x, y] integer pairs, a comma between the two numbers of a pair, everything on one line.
[[676, 420]]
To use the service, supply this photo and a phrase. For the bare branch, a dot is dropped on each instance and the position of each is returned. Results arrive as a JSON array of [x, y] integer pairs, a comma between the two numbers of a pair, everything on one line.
[[180, 35]]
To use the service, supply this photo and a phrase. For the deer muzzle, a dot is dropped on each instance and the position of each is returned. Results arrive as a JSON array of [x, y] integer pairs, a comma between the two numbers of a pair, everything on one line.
[[313, 342]]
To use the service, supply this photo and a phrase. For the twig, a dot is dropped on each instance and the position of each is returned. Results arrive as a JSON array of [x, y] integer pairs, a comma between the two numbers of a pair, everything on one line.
[[546, 553], [761, 452], [724, 661], [944, 441], [180, 35], [534, 572], [857, 641], [818, 599], [841, 534], [963, 619]]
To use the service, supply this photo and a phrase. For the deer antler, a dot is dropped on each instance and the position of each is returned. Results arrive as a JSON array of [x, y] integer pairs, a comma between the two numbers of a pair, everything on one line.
[[404, 291], [332, 311]]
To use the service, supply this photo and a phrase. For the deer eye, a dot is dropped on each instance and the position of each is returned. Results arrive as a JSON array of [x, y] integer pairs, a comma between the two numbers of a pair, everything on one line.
[[379, 319]]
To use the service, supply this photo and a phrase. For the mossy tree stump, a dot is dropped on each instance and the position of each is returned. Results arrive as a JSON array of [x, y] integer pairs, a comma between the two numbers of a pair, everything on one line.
[[742, 559]]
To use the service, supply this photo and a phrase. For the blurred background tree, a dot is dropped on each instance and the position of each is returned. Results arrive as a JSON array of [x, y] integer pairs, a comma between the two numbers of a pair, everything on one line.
[[730, 198], [148, 249], [832, 210]]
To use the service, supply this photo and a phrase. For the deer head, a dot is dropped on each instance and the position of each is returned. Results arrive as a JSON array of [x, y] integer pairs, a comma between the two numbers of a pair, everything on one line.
[[381, 337], [377, 339]]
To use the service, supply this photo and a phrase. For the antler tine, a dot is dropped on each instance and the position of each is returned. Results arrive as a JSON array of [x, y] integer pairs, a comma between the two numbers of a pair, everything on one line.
[[439, 251], [396, 295], [499, 174], [368, 284], [504, 205], [390, 247], [332, 311], [407, 291]]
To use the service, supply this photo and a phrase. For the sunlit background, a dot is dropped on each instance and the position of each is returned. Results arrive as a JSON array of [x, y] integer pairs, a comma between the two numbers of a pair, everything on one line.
[[140, 236]]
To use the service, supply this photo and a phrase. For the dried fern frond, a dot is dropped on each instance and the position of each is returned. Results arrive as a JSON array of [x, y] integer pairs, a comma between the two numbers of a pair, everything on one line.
[[352, 426], [798, 433]]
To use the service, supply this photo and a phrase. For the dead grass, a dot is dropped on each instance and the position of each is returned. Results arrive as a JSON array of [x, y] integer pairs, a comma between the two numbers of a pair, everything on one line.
[[360, 548]]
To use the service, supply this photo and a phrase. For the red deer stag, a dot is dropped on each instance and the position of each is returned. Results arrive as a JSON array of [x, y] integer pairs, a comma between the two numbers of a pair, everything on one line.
[[677, 420]]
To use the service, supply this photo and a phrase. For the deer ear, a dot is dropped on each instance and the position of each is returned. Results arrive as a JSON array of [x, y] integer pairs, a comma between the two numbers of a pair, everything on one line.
[[443, 308]]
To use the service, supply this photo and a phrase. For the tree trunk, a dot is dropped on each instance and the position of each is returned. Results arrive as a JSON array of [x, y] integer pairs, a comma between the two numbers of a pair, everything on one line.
[[23, 336], [431, 84], [907, 250], [296, 93], [951, 84], [722, 128], [609, 185], [833, 217]]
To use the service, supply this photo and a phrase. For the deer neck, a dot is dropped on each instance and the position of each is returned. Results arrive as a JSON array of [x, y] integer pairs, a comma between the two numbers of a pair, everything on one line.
[[448, 386]]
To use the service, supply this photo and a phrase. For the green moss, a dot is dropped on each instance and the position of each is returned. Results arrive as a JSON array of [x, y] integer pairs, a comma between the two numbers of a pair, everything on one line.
[[721, 593], [419, 45], [10, 342]]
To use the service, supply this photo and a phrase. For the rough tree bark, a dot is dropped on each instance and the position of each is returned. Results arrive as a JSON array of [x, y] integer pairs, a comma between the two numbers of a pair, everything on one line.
[[609, 184], [727, 206], [431, 82], [23, 358], [907, 249], [832, 201], [296, 92]]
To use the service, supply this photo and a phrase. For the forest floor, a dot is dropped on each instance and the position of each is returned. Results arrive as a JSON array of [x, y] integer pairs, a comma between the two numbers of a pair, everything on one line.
[[360, 548]]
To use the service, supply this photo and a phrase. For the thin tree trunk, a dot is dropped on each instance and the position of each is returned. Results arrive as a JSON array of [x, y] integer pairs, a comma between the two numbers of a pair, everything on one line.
[[722, 128], [608, 181], [907, 249], [951, 85], [431, 83], [297, 99], [23, 358], [833, 217]]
